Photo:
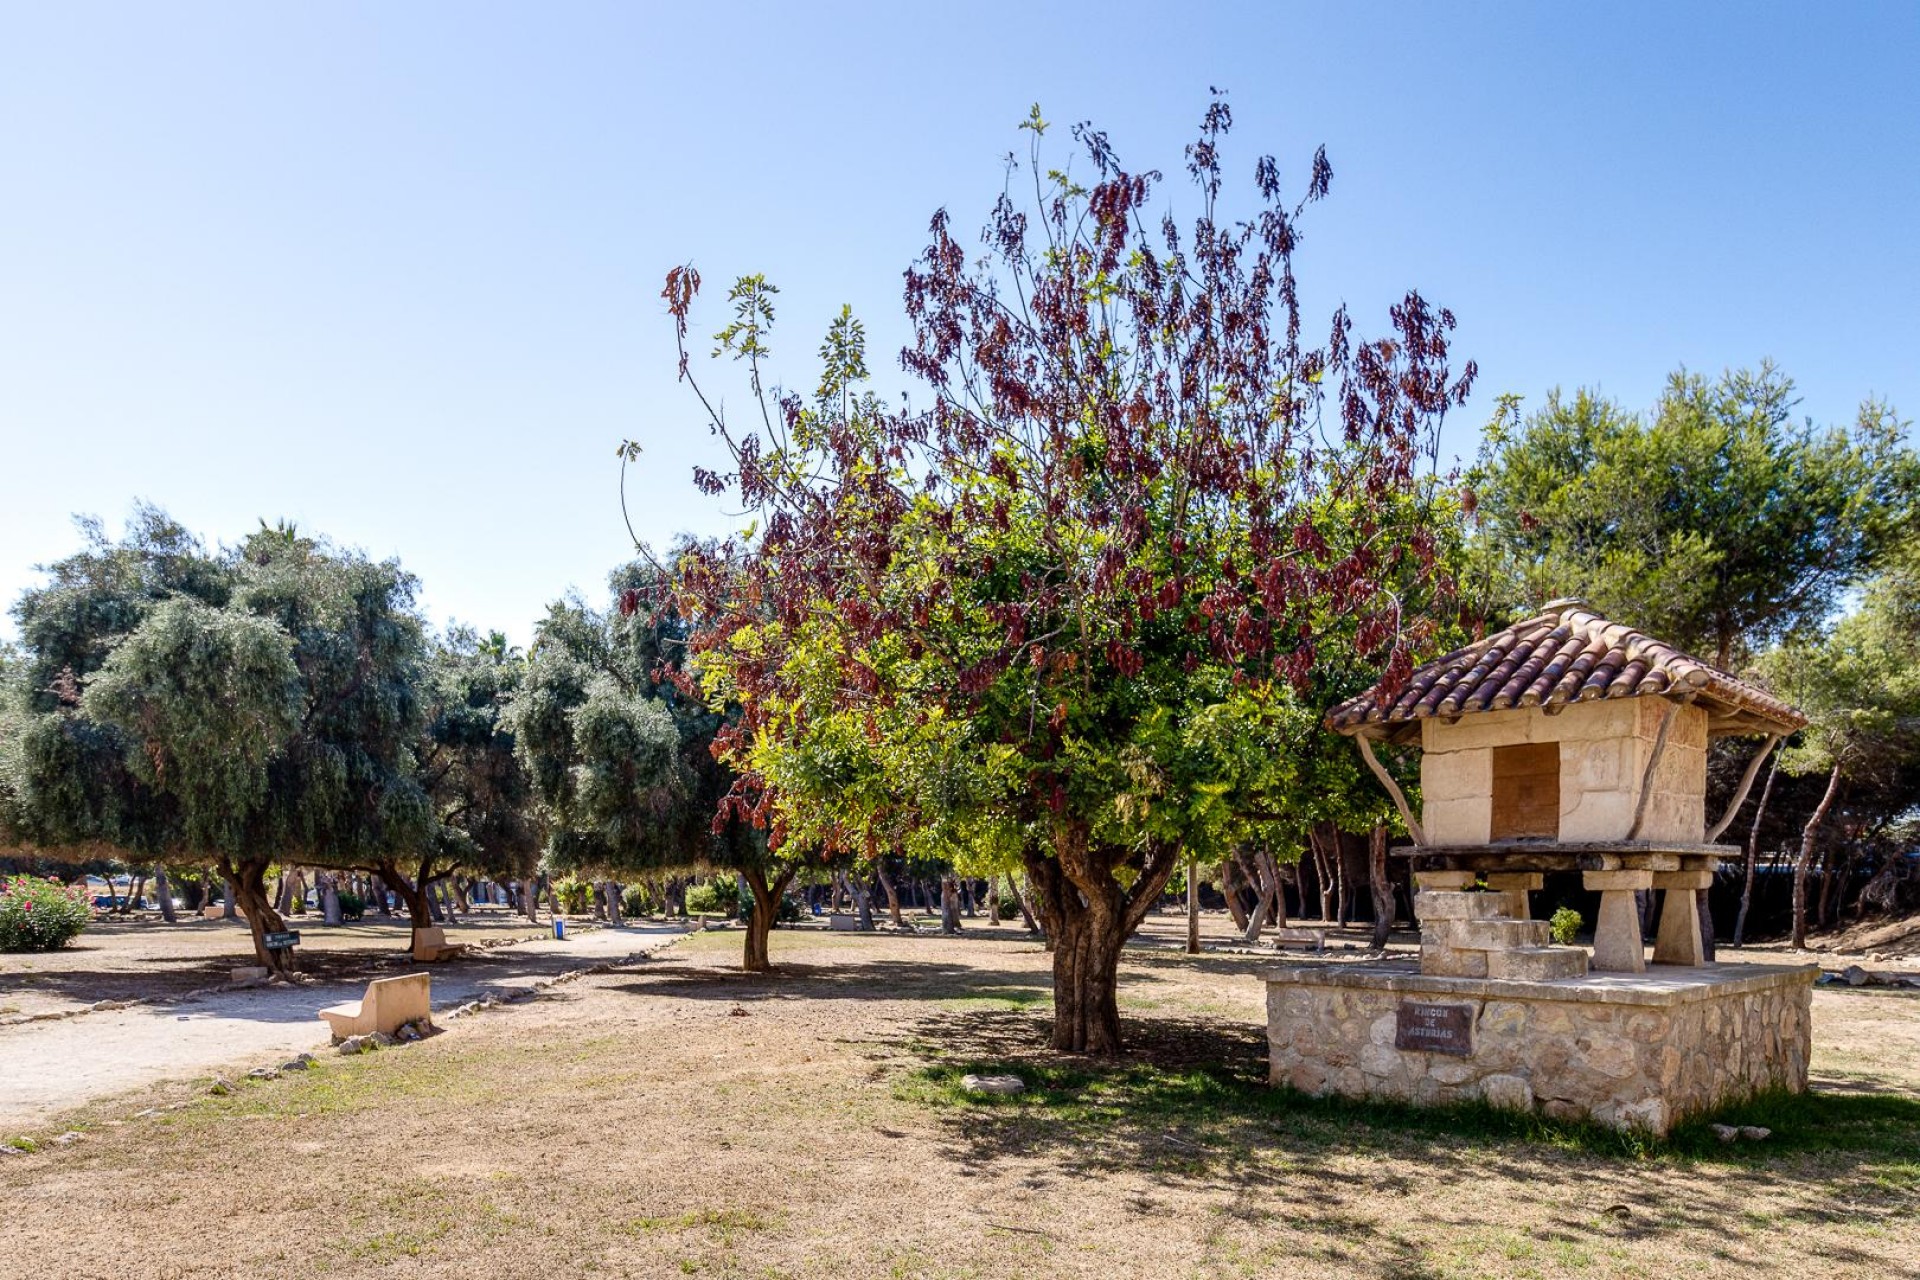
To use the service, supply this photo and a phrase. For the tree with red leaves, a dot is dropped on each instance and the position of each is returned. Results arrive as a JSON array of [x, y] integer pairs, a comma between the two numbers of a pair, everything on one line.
[[1049, 611]]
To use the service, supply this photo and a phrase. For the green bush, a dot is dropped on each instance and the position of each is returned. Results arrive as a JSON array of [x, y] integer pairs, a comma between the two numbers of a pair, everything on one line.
[[576, 896], [41, 915], [1565, 923], [1009, 908], [352, 906], [636, 901], [714, 898], [790, 911]]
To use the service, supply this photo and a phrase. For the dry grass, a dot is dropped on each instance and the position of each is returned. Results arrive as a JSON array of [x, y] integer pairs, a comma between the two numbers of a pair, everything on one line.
[[678, 1118]]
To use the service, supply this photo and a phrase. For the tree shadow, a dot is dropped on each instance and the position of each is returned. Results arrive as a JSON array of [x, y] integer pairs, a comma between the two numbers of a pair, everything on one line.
[[1190, 1105]]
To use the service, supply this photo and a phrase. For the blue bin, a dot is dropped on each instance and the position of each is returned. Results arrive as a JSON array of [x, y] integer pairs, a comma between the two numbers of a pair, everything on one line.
[[559, 928]]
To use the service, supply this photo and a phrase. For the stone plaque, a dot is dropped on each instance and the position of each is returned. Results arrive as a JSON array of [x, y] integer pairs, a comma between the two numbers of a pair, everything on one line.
[[1435, 1028]]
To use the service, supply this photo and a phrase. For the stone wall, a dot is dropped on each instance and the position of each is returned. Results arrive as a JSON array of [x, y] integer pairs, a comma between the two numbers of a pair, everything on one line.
[[1627, 1051], [1604, 749]]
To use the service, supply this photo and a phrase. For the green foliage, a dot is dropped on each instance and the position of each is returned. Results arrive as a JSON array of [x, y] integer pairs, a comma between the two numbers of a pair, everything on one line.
[[576, 896], [789, 910], [1714, 522], [41, 915], [1565, 924], [620, 758], [713, 898], [635, 900], [352, 906]]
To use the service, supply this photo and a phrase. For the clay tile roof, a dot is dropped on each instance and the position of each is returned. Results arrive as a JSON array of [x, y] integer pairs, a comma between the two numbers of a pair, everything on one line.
[[1566, 654]]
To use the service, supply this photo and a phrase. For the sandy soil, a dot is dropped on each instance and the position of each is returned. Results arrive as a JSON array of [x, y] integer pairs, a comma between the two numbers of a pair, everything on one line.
[[48, 1067], [679, 1118]]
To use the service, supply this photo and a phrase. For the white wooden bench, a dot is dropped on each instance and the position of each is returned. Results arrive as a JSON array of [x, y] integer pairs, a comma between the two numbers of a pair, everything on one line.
[[390, 1003]]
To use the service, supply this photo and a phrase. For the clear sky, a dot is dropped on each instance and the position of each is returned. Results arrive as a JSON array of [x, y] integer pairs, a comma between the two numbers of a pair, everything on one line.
[[392, 270]]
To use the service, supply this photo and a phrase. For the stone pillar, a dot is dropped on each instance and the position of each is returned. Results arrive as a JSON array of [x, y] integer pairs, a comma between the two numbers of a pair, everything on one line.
[[1616, 935], [1517, 885], [1679, 941]]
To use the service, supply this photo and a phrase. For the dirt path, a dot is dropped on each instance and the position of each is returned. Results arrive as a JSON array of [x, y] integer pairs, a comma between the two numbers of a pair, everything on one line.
[[48, 1067]]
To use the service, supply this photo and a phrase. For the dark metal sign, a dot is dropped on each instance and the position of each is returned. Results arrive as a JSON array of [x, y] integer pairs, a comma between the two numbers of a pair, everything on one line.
[[282, 941], [1434, 1028]]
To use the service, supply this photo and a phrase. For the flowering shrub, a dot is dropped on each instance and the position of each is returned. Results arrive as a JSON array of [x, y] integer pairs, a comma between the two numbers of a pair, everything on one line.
[[40, 915]]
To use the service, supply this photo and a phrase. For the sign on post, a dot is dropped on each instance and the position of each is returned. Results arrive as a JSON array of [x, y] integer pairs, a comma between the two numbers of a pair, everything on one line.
[[282, 940]]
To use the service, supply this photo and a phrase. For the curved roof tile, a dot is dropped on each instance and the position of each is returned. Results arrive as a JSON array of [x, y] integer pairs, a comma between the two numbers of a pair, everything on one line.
[[1568, 653]]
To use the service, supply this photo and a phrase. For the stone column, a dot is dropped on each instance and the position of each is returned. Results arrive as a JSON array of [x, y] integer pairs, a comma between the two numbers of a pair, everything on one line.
[[1616, 935], [1678, 941], [1517, 885]]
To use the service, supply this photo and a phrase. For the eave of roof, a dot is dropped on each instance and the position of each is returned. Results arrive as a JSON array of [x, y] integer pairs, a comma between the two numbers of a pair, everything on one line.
[[1565, 654]]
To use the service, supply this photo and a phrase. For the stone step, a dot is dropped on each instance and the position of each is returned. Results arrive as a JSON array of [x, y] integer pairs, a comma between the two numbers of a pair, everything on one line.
[[1440, 961], [1459, 904], [1502, 935], [1537, 964]]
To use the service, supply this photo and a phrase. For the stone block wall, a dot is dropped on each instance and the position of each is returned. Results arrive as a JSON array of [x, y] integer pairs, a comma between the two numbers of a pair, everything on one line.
[[1604, 749], [1627, 1053]]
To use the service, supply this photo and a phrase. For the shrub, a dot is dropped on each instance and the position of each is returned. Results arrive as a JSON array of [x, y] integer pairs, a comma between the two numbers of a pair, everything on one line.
[[1565, 923], [41, 915], [352, 906], [1009, 908], [714, 898], [790, 911], [576, 896], [636, 901]]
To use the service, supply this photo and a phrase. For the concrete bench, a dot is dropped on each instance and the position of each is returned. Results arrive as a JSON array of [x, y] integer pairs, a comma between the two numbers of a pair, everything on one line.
[[1315, 938], [390, 1003], [430, 945]]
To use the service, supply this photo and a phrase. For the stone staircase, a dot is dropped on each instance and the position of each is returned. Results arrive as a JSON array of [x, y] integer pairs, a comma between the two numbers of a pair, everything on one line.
[[1488, 935]]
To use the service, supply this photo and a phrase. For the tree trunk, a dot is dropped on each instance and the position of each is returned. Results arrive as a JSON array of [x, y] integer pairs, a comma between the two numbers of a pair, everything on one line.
[[530, 900], [377, 891], [164, 892], [1800, 868], [230, 900], [1090, 917], [414, 896], [1026, 908], [1264, 876], [893, 894], [993, 902], [1753, 854], [1318, 837], [249, 884], [766, 910], [612, 891], [1193, 908], [1381, 886], [949, 903], [1235, 907], [329, 898]]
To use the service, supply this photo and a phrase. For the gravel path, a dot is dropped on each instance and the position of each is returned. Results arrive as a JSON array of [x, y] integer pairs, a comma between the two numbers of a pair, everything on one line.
[[48, 1067]]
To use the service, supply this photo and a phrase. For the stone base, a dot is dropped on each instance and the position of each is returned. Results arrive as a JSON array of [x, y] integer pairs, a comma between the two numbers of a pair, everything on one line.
[[1638, 1051]]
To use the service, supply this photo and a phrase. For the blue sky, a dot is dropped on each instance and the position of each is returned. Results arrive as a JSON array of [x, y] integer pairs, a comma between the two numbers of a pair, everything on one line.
[[392, 271]]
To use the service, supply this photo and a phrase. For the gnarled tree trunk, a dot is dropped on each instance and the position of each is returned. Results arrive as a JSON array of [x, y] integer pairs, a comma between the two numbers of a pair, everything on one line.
[[1089, 917], [766, 910], [248, 882], [164, 892], [893, 894]]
